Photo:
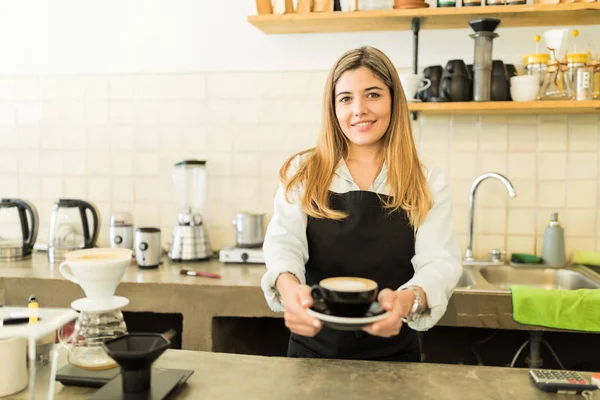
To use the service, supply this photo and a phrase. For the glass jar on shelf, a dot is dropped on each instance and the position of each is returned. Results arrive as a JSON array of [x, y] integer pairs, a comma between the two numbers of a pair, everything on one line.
[[535, 64]]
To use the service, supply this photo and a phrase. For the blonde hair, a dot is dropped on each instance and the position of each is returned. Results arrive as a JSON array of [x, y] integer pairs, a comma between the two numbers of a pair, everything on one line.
[[407, 183]]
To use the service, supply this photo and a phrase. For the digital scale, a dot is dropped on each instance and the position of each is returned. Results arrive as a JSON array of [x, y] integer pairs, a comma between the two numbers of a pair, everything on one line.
[[239, 255]]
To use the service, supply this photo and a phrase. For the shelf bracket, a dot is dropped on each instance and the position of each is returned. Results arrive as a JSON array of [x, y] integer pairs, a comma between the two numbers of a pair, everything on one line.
[[415, 26]]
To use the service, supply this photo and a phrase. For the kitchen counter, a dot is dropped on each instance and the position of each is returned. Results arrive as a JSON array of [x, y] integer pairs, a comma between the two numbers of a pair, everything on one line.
[[230, 376], [236, 294]]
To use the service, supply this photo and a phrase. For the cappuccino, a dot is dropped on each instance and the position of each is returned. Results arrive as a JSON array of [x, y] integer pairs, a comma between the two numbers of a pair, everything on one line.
[[348, 284]]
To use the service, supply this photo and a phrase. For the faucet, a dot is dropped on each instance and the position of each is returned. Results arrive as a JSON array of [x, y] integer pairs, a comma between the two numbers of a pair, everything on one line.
[[511, 192]]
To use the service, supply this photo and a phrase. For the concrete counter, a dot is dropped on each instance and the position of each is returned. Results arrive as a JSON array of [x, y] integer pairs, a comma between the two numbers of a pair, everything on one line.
[[229, 376], [199, 300]]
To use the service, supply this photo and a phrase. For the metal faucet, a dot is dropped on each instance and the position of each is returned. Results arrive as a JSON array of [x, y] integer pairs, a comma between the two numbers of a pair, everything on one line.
[[511, 192]]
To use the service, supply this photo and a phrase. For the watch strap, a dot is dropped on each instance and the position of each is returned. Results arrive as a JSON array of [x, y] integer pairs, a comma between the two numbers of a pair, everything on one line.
[[417, 307]]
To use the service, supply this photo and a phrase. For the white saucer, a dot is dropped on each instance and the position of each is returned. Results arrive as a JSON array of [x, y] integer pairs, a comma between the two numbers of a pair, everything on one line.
[[89, 305], [414, 101], [375, 313]]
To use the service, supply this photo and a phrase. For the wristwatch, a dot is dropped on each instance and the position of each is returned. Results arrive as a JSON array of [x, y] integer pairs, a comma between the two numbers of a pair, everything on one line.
[[417, 307]]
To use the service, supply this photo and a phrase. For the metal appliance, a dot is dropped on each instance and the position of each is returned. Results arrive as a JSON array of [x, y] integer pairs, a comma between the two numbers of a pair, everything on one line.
[[70, 227], [249, 236], [190, 241], [147, 247], [237, 255], [121, 230], [249, 232], [19, 223]]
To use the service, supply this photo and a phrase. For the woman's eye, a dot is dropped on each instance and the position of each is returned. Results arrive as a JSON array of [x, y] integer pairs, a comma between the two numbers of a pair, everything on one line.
[[345, 99], [373, 95]]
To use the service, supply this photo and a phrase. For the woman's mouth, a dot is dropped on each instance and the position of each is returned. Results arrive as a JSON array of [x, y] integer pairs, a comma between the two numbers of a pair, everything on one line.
[[362, 126]]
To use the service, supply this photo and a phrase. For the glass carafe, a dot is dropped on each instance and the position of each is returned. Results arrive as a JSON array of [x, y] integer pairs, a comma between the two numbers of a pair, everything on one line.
[[84, 343], [556, 84], [189, 179]]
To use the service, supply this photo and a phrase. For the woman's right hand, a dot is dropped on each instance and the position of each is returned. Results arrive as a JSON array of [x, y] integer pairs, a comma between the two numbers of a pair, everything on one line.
[[297, 299]]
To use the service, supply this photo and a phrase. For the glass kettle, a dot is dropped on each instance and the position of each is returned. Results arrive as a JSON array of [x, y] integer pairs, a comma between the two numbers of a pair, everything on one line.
[[70, 227], [19, 223]]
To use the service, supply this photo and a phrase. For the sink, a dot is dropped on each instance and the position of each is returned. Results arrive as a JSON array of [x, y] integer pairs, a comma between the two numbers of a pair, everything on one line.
[[466, 279], [544, 278]]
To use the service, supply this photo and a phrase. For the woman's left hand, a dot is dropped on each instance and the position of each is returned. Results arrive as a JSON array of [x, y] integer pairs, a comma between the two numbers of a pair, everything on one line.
[[398, 303]]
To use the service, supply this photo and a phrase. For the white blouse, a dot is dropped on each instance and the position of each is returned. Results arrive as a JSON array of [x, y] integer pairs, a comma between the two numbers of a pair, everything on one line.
[[436, 261]]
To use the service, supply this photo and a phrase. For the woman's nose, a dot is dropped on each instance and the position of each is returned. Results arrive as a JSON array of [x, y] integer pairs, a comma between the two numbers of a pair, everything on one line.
[[359, 107]]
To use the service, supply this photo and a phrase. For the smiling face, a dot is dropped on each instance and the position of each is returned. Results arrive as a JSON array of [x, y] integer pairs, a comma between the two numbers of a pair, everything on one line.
[[363, 107]]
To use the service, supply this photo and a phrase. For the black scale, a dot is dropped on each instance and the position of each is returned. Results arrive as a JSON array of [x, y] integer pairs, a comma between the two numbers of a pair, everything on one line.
[[164, 382], [134, 353]]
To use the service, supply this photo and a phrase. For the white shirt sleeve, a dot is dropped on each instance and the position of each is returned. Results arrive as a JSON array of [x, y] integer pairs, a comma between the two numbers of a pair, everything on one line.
[[285, 246], [437, 261]]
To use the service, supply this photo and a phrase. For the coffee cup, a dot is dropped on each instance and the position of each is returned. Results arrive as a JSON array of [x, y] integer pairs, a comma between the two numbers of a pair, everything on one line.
[[524, 87], [97, 271], [413, 83], [14, 365], [345, 296]]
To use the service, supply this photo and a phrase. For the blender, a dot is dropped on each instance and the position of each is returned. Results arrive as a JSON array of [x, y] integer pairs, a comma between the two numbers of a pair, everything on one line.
[[190, 240]]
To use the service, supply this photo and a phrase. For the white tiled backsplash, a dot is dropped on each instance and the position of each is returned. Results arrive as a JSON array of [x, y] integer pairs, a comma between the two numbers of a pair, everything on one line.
[[113, 140]]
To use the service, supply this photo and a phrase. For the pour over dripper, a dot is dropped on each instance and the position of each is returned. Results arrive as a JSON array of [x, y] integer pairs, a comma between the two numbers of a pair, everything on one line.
[[482, 60], [135, 353]]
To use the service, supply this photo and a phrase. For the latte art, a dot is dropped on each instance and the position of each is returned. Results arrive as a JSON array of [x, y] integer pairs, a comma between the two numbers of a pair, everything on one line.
[[348, 284]]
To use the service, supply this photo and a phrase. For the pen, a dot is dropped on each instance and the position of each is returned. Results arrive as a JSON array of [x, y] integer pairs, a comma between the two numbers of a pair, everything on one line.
[[198, 273]]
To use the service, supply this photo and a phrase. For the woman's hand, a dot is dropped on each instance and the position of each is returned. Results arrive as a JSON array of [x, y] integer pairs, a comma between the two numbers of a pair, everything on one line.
[[399, 304], [296, 299]]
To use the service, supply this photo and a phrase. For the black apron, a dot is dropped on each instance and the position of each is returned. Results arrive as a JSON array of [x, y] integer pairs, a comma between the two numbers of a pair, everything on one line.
[[369, 243]]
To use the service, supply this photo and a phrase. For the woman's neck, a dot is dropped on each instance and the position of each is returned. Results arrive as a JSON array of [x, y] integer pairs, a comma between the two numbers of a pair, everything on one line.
[[364, 164], [365, 154]]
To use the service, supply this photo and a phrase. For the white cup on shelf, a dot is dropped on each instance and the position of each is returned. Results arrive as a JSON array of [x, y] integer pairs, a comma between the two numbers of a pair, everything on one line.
[[524, 87]]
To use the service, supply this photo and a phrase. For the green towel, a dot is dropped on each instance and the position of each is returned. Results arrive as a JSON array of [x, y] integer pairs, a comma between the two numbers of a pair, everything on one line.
[[586, 257], [577, 310]]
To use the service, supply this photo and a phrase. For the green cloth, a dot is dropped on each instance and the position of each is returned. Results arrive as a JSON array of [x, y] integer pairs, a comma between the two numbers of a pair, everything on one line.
[[586, 257], [577, 310]]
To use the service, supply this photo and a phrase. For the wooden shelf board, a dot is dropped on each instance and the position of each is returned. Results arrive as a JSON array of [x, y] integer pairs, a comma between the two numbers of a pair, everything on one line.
[[433, 18], [509, 107]]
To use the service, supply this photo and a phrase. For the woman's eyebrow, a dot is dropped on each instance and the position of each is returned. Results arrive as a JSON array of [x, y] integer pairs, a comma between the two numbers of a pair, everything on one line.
[[366, 90]]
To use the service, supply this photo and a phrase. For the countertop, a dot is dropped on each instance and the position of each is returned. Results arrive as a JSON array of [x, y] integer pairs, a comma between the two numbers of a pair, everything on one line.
[[236, 294], [230, 376], [238, 275]]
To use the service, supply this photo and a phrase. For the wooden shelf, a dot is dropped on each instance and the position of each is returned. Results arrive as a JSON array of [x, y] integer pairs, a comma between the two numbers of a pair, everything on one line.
[[432, 18], [508, 107]]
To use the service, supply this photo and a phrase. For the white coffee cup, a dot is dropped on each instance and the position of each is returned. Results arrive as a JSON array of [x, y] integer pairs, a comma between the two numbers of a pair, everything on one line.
[[524, 87], [413, 83], [13, 369], [97, 271]]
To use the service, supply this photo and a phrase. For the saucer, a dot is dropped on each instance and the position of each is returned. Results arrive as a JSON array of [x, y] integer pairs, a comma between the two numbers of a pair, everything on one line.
[[89, 305], [414, 101], [375, 313]]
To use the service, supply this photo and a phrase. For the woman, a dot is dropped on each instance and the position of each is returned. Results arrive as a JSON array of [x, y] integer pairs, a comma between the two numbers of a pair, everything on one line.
[[361, 204]]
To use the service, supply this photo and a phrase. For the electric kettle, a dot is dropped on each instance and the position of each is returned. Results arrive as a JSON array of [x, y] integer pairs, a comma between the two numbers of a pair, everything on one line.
[[19, 224], [70, 227]]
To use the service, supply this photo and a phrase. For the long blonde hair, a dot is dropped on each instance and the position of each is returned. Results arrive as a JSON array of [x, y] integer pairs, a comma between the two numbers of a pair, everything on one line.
[[407, 183]]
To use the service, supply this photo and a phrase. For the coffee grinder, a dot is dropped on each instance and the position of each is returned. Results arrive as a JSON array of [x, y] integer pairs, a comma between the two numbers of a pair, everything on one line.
[[482, 61]]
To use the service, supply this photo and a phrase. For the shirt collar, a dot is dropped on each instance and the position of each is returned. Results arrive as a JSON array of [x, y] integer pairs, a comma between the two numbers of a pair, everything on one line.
[[343, 172]]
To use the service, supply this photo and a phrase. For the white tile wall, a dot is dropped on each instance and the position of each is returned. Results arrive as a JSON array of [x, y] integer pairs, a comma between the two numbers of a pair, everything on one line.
[[113, 140]]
